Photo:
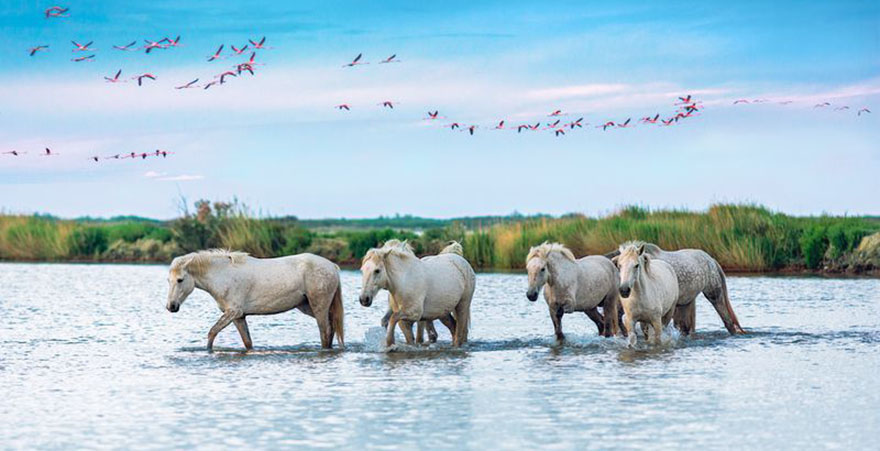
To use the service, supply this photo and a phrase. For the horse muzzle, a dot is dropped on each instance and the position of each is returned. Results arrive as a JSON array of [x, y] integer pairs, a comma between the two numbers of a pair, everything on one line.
[[366, 301], [173, 308], [532, 295], [625, 291]]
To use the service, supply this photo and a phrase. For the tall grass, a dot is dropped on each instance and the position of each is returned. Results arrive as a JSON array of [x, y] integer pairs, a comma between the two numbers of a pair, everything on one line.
[[741, 237]]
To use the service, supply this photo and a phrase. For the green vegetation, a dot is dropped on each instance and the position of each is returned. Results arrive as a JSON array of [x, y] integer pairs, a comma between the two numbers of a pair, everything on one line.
[[741, 237]]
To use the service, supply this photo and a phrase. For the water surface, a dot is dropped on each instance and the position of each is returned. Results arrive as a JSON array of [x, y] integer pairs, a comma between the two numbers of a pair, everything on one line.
[[89, 357]]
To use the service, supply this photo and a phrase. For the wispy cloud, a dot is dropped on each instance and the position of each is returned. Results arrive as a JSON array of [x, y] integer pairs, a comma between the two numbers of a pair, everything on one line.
[[181, 178]]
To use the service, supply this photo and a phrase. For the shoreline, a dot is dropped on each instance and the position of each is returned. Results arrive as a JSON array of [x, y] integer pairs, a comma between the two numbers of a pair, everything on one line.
[[873, 273]]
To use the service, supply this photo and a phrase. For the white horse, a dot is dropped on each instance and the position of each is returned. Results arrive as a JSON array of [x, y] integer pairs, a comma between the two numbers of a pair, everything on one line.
[[243, 285], [572, 285], [697, 272], [648, 290], [435, 287]]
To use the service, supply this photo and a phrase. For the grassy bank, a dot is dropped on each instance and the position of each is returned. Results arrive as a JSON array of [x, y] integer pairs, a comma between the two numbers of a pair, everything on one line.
[[741, 237]]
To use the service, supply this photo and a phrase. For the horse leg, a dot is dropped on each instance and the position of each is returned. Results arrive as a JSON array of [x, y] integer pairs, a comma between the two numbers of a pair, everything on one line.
[[406, 328], [432, 333], [221, 323], [420, 332], [449, 322], [385, 318], [720, 300], [392, 323], [629, 324], [556, 316], [597, 318], [241, 325], [325, 328], [685, 318], [610, 312], [656, 324]]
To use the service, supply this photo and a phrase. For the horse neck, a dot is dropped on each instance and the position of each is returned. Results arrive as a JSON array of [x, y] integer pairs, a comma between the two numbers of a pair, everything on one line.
[[563, 272], [400, 272], [210, 275], [642, 279]]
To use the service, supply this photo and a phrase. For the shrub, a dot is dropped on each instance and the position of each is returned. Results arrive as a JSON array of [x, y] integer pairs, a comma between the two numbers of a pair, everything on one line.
[[814, 243], [88, 241]]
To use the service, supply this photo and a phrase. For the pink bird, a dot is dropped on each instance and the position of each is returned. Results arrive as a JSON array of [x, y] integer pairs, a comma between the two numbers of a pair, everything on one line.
[[735, 102], [14, 153], [821, 105], [684, 100], [559, 131], [172, 42], [56, 11], [605, 126], [260, 44], [152, 45], [471, 129], [433, 115], [223, 76], [863, 110], [82, 58], [500, 125], [188, 85], [390, 59], [33, 50], [82, 47], [49, 153], [343, 106], [388, 104], [651, 120], [140, 78], [454, 125], [238, 51], [576, 123], [667, 122], [356, 61], [216, 54], [115, 79], [125, 48], [555, 113], [208, 85]]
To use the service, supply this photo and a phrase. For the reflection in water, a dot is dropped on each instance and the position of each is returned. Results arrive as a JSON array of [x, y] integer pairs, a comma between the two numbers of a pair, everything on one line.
[[91, 358]]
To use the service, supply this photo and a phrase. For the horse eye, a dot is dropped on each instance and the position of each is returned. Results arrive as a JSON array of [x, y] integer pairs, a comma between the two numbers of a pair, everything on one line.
[[179, 280], [377, 271], [542, 269]]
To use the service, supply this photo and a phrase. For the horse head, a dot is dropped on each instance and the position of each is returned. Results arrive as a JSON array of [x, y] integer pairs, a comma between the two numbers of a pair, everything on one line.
[[631, 260]]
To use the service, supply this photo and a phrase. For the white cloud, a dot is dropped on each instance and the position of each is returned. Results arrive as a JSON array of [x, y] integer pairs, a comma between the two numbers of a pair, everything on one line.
[[181, 178], [154, 174]]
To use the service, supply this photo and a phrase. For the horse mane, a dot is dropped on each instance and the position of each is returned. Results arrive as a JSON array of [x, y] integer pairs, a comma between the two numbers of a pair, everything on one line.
[[546, 248], [632, 247], [195, 262], [650, 248], [453, 247], [393, 246]]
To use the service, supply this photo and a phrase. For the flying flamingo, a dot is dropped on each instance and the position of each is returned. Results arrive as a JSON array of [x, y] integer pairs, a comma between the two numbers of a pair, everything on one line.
[[471, 129], [152, 45], [82, 58], [49, 153], [388, 104], [433, 115], [343, 106], [559, 131], [94, 158], [216, 54], [841, 108], [56, 11], [115, 79], [223, 76], [667, 122], [552, 125], [521, 127], [34, 50], [82, 47], [14, 153], [500, 126], [171, 42], [651, 120], [863, 110], [140, 78], [821, 105], [605, 126], [390, 59], [685, 100], [555, 113], [259, 45], [208, 85], [125, 48], [356, 61], [735, 102], [625, 124], [237, 50], [576, 123], [454, 125], [188, 85], [535, 127], [162, 153]]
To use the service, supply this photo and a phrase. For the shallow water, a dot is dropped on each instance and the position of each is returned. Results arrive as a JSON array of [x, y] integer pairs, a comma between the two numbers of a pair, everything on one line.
[[89, 357]]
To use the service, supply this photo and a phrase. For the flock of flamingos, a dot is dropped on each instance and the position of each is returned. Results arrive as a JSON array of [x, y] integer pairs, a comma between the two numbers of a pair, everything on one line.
[[556, 122]]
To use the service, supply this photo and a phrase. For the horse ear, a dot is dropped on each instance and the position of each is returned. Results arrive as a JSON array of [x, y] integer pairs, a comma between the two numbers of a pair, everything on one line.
[[641, 248], [614, 259]]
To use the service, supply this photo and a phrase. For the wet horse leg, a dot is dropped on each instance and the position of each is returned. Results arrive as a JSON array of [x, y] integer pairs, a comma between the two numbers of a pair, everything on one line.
[[597, 318], [392, 323], [557, 323], [406, 328], [241, 325], [685, 317], [449, 322], [221, 323]]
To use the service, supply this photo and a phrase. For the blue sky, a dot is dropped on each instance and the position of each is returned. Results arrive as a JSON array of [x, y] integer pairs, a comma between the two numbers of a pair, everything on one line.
[[275, 142]]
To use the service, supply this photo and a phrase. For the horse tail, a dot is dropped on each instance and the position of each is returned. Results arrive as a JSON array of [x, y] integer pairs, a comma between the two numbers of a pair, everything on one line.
[[463, 309], [453, 248], [337, 314], [732, 323]]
